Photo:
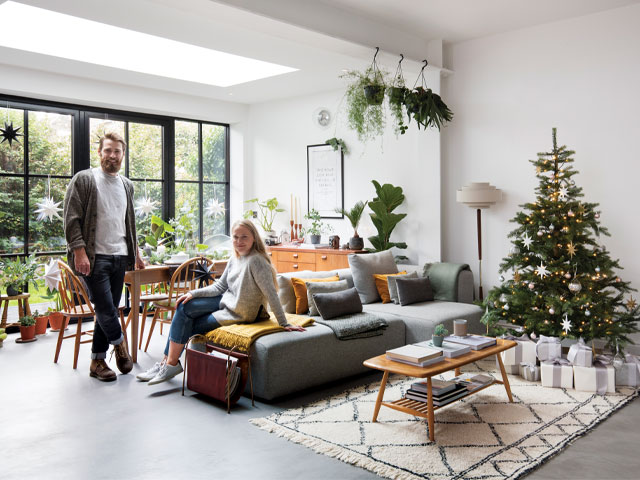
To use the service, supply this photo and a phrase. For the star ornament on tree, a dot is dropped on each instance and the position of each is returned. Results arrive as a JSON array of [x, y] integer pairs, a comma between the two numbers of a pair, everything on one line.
[[566, 324], [562, 193], [52, 275], [9, 133], [542, 271], [631, 304], [47, 209], [145, 206], [571, 248], [527, 240], [214, 208], [204, 273]]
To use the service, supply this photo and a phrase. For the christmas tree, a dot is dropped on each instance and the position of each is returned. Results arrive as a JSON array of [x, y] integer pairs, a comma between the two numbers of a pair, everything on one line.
[[564, 282]]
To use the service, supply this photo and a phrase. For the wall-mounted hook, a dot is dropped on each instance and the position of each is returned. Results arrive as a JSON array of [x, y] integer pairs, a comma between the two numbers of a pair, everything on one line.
[[376, 54], [424, 66]]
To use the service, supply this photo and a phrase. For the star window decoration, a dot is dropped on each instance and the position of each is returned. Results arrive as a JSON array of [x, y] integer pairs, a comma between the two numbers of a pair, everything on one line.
[[214, 208], [9, 133], [203, 273], [47, 209], [52, 275], [145, 206]]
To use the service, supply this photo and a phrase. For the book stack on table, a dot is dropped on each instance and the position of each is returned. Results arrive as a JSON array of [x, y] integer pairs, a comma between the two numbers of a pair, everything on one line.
[[417, 355], [476, 342]]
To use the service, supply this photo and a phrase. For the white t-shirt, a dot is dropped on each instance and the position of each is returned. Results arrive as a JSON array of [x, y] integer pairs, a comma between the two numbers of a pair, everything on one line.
[[111, 229]]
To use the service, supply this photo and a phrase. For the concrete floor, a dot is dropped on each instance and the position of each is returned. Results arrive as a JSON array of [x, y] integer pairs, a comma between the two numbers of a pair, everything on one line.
[[57, 422]]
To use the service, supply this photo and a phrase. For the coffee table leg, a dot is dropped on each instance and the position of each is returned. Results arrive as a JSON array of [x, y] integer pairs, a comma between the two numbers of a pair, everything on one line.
[[505, 380], [380, 395], [432, 433]]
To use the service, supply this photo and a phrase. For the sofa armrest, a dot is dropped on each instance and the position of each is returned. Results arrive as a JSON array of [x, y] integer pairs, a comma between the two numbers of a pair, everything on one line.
[[465, 287]]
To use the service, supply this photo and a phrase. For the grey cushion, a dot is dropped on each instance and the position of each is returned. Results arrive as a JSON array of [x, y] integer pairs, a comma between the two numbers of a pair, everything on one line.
[[331, 305], [285, 287], [345, 274], [413, 290], [363, 267], [393, 289], [322, 287]]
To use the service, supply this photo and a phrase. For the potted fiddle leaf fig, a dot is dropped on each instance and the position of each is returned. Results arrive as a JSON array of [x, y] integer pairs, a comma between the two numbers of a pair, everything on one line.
[[438, 335], [354, 215], [388, 198]]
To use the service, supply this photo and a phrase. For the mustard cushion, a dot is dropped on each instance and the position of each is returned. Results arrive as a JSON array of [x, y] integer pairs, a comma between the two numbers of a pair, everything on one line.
[[383, 287], [300, 290]]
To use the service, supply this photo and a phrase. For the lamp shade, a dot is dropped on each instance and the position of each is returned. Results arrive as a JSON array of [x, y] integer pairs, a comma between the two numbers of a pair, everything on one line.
[[479, 195]]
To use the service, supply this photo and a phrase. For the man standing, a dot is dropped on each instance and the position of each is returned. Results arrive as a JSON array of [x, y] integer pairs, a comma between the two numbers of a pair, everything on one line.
[[100, 228]]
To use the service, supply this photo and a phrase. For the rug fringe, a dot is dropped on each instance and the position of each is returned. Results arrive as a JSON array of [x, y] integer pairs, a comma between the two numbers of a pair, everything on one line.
[[324, 448]]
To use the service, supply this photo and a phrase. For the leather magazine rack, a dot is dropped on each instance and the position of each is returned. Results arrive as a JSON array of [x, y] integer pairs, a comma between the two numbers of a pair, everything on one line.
[[211, 375]]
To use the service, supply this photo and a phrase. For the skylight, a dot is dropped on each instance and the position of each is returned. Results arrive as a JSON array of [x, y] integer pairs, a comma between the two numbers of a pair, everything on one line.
[[50, 33]]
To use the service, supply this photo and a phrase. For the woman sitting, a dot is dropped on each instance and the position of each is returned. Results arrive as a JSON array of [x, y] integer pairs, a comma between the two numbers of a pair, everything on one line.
[[248, 282]]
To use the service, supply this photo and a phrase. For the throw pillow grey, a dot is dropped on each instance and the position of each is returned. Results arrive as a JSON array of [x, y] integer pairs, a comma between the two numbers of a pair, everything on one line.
[[285, 287], [413, 290], [336, 304], [363, 267], [393, 288], [322, 287]]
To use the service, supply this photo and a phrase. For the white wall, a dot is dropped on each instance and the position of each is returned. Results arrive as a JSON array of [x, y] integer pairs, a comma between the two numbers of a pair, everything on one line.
[[508, 91], [279, 133]]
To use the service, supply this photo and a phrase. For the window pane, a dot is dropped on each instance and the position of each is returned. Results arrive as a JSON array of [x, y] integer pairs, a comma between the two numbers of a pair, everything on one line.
[[50, 143], [213, 153], [97, 128], [12, 156], [153, 192], [214, 223], [186, 220], [145, 151], [186, 151], [46, 235], [11, 215]]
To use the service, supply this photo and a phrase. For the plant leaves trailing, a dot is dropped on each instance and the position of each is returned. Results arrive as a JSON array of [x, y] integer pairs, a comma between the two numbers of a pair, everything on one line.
[[367, 120], [426, 108], [388, 199], [338, 143]]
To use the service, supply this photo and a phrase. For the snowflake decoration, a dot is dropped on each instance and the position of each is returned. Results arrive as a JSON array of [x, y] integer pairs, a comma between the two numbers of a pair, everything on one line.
[[145, 206], [527, 240], [542, 271], [47, 209], [563, 192], [566, 324], [214, 208]]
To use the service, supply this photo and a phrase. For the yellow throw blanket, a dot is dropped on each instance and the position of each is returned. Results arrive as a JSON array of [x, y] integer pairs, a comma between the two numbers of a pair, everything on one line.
[[242, 335]]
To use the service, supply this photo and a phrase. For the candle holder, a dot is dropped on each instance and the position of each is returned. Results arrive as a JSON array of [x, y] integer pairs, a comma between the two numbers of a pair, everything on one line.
[[293, 237]]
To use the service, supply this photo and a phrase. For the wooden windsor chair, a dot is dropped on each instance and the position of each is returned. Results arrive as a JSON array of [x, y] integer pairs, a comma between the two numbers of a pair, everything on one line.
[[192, 274]]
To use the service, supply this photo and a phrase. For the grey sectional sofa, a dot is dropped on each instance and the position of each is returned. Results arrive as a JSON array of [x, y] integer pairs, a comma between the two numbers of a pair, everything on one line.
[[287, 362]]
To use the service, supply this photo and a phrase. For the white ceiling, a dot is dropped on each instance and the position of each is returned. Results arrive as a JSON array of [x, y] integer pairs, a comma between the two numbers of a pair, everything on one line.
[[318, 37]]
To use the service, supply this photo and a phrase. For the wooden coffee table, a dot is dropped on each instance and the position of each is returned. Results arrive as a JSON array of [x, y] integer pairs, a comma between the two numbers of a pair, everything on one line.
[[425, 410]]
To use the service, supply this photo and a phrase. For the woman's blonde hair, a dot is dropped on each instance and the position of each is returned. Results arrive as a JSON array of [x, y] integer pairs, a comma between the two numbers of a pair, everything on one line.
[[258, 244]]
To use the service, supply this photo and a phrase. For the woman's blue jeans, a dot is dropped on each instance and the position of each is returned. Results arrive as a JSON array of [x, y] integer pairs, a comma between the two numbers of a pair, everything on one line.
[[192, 318]]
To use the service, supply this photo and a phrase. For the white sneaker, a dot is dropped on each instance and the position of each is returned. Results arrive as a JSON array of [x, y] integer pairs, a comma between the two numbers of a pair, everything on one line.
[[166, 372], [149, 374]]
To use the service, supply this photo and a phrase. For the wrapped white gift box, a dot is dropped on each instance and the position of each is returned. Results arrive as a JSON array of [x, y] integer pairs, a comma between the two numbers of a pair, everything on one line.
[[629, 373], [523, 352], [530, 372], [548, 348], [580, 354], [556, 373], [599, 378]]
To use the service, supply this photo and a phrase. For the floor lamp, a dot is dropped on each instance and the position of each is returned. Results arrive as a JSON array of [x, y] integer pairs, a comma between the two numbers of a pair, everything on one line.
[[479, 195]]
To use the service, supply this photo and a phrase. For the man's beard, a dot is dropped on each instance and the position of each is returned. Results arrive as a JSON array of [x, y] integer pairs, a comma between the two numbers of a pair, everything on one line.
[[110, 167]]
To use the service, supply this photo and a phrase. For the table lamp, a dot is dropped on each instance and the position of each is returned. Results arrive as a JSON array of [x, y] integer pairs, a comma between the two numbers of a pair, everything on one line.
[[479, 195]]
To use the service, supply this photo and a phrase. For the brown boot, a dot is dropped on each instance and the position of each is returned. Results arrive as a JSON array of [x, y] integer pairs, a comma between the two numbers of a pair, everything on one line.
[[123, 359], [100, 370]]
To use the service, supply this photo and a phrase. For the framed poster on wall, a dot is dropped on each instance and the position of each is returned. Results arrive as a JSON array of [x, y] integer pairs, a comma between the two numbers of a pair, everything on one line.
[[325, 187]]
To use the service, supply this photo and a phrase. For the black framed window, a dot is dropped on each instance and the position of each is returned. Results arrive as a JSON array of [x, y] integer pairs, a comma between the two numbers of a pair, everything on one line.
[[179, 165]]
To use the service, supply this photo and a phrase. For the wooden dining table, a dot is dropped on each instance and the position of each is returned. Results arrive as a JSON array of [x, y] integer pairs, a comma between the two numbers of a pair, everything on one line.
[[135, 279]]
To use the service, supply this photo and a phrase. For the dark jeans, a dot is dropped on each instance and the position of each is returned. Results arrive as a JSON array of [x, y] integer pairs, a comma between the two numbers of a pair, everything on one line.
[[104, 286], [192, 318]]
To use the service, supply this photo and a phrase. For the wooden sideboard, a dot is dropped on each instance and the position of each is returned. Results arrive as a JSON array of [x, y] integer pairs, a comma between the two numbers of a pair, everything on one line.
[[291, 259]]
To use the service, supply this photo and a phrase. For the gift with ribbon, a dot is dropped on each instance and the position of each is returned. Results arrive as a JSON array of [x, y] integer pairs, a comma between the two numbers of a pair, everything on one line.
[[629, 373], [580, 354], [530, 372], [557, 373], [524, 352], [548, 348], [599, 378]]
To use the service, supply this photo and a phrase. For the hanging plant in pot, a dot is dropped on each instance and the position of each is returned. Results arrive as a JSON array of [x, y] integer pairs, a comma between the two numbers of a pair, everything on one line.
[[426, 107], [364, 101], [396, 94], [355, 215]]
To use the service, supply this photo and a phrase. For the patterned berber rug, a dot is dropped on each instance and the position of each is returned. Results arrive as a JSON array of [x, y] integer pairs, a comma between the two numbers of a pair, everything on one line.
[[480, 437]]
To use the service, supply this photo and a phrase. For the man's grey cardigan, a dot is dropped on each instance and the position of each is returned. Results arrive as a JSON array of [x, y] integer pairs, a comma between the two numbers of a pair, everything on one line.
[[80, 217]]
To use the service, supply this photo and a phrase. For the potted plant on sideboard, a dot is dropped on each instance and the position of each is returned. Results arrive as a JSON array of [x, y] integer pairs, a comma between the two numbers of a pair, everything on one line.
[[317, 227], [27, 328], [438, 335], [355, 215]]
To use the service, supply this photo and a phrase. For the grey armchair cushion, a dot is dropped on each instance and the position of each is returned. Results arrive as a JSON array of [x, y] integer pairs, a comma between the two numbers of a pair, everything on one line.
[[285, 287], [322, 287], [336, 304], [414, 290], [393, 288], [363, 267]]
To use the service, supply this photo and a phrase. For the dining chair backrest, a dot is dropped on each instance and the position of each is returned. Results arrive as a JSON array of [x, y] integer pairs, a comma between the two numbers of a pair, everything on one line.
[[188, 276], [72, 292]]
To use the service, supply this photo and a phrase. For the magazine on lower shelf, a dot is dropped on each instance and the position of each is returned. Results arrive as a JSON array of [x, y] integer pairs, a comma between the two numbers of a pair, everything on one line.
[[437, 386], [474, 381], [441, 400]]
